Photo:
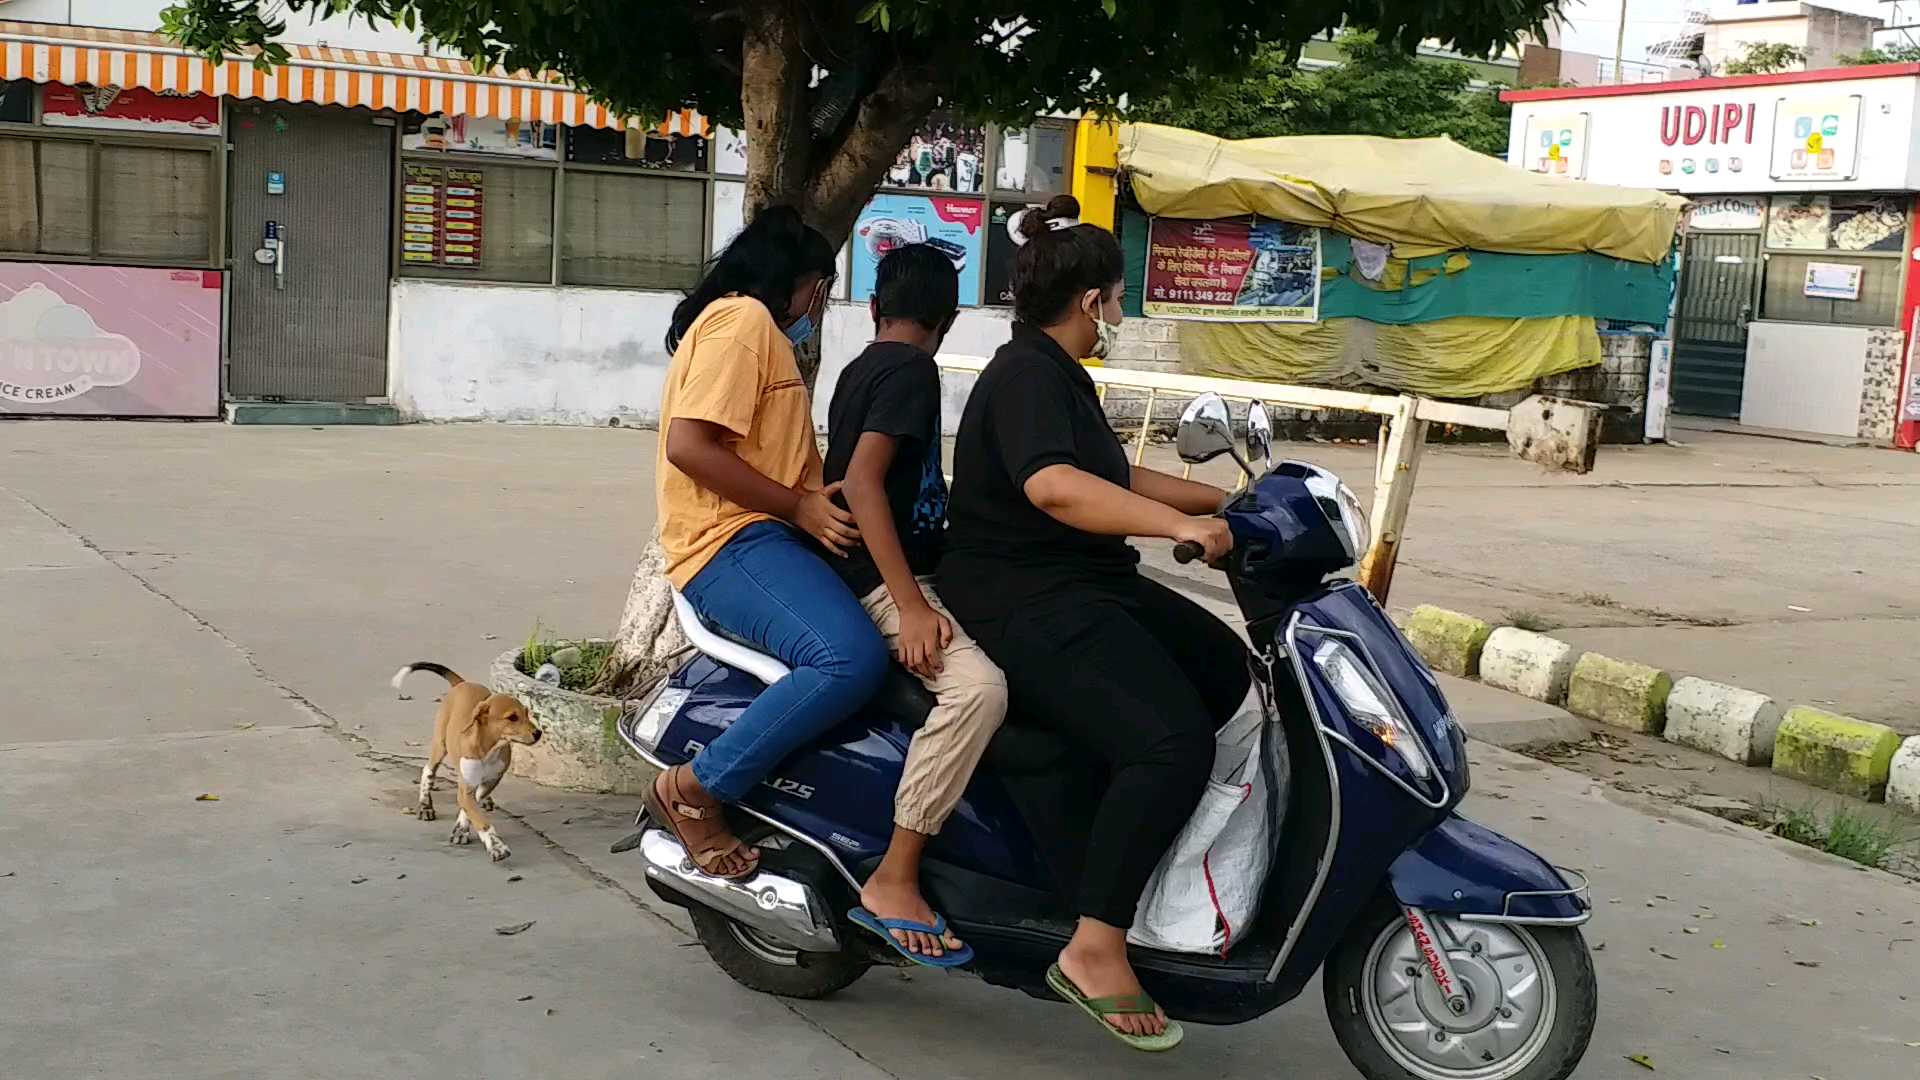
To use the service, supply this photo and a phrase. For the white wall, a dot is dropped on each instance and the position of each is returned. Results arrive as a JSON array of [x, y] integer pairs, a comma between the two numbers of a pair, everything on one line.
[[302, 28], [526, 354], [539, 355], [1803, 377]]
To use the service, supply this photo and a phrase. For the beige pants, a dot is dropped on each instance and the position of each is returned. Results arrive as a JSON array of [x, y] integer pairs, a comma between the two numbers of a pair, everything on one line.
[[971, 701]]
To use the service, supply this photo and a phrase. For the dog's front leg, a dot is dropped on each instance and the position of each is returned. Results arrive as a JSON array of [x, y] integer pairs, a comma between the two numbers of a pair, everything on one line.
[[474, 821], [424, 808]]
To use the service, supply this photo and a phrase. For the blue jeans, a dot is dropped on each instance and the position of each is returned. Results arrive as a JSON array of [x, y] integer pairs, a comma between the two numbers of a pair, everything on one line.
[[768, 588]]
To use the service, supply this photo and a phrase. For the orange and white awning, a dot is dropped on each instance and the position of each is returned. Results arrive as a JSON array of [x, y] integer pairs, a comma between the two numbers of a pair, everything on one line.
[[401, 82]]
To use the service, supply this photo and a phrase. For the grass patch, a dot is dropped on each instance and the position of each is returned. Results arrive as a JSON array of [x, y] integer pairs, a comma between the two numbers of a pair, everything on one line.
[[586, 661], [1596, 599], [1531, 620], [1846, 832]]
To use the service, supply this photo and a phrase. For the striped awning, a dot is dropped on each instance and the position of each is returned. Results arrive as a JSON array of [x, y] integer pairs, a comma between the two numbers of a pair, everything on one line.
[[47, 53]]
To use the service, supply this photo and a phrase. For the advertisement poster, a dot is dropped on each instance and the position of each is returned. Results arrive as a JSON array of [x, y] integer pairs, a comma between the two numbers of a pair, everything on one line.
[[729, 152], [109, 341], [463, 210], [1232, 270], [1799, 222], [729, 212], [1817, 139], [945, 155], [1556, 145], [953, 226], [482, 135], [129, 109], [1000, 250], [1832, 281]]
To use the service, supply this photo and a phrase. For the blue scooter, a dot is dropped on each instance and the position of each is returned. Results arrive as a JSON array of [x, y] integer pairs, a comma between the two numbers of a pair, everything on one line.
[[1449, 951]]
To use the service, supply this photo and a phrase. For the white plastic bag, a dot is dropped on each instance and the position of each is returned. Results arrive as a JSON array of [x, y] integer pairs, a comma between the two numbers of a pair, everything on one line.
[[1206, 890]]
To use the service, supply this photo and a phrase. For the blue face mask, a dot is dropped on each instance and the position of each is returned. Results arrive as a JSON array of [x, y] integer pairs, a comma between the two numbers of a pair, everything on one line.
[[800, 330]]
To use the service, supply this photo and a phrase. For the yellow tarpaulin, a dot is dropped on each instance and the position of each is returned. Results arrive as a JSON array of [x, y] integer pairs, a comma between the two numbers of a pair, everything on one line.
[[1423, 196], [1456, 358]]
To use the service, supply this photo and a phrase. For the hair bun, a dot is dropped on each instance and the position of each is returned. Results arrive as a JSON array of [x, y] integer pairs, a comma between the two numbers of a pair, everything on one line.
[[1037, 222]]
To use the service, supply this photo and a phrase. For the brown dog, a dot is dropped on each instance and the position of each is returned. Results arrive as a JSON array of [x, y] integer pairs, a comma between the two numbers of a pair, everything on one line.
[[478, 727]]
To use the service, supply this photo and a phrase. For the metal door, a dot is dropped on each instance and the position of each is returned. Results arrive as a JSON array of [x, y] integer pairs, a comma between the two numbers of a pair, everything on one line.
[[1718, 279], [315, 328]]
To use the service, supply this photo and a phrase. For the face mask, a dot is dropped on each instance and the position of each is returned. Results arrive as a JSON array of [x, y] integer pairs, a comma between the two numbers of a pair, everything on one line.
[[1105, 334], [799, 330]]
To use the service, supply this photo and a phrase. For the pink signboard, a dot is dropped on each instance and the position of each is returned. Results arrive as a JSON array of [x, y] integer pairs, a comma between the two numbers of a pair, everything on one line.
[[108, 341]]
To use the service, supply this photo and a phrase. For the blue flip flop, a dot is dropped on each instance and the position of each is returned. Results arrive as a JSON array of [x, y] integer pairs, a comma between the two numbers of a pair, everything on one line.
[[953, 958]]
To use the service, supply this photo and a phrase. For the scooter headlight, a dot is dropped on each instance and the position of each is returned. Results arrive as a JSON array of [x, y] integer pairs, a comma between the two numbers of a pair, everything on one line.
[[1371, 704]]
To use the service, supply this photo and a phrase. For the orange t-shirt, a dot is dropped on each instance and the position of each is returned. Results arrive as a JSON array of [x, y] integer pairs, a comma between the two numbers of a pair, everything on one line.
[[734, 368]]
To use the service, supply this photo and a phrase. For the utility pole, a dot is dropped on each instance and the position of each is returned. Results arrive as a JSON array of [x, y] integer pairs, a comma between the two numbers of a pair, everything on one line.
[[1620, 46]]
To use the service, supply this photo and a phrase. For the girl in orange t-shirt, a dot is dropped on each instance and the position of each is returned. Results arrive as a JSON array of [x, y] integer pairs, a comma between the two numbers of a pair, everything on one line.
[[743, 517]]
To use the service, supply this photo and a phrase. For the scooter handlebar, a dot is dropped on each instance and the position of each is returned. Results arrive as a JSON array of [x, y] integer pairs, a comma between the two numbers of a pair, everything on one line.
[[1187, 551]]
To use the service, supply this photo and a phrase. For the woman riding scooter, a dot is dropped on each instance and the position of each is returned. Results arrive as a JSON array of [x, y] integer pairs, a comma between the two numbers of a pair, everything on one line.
[[1039, 571]]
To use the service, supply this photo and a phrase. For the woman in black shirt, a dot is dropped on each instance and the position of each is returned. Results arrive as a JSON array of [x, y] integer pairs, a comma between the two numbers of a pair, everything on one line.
[[1039, 571]]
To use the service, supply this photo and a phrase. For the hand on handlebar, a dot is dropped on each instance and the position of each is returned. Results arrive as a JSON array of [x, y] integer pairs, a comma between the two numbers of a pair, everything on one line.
[[1211, 534]]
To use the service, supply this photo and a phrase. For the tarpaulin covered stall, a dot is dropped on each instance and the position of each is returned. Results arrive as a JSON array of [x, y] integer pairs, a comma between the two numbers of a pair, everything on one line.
[[1435, 269]]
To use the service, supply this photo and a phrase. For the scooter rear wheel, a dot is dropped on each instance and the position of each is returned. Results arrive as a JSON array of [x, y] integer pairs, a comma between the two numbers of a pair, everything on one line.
[[759, 963], [1531, 989]]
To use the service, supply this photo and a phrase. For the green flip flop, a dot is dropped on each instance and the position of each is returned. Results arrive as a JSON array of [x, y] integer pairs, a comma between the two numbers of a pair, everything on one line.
[[1119, 1005]]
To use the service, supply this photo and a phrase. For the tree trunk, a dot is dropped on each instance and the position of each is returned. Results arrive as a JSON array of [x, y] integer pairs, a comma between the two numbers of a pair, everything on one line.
[[828, 182]]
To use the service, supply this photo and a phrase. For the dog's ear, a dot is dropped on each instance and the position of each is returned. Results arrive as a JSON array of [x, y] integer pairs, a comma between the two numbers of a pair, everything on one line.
[[479, 714]]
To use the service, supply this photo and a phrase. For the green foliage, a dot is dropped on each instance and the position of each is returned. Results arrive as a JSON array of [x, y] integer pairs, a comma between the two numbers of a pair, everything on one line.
[[991, 60], [1765, 58], [1848, 833], [1898, 53], [581, 674], [1378, 89]]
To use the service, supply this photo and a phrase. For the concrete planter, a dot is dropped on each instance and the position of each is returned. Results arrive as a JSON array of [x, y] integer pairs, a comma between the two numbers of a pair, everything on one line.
[[579, 748]]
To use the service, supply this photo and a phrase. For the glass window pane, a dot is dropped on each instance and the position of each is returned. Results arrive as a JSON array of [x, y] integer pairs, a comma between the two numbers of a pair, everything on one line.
[[1783, 292], [43, 197], [1034, 159], [639, 149], [944, 155], [633, 230], [156, 203], [511, 219]]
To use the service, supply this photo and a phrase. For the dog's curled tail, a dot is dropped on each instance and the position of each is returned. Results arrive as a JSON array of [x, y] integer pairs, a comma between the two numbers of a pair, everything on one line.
[[453, 677]]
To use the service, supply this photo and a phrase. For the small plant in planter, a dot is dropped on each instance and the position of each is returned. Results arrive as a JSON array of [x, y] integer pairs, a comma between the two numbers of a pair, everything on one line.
[[583, 664]]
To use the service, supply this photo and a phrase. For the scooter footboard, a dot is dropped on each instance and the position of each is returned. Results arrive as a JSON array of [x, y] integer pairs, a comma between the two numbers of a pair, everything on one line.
[[1467, 870]]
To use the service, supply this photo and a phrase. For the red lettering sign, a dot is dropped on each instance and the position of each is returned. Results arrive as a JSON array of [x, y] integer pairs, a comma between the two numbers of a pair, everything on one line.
[[1690, 125]]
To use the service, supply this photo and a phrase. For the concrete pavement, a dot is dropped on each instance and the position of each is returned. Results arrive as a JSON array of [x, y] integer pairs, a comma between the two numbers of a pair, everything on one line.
[[164, 584]]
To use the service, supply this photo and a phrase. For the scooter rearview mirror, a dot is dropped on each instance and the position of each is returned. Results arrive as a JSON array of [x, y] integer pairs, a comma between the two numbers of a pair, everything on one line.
[[1205, 431], [1259, 437]]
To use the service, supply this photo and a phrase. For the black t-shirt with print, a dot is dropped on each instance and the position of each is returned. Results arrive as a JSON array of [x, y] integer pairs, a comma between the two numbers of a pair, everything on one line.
[[893, 388], [1032, 407]]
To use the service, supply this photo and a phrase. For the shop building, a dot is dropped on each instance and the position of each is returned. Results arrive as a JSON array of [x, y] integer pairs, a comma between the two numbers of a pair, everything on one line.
[[1796, 299], [389, 234]]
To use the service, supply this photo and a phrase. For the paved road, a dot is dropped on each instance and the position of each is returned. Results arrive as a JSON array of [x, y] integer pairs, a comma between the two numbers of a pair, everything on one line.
[[201, 610]]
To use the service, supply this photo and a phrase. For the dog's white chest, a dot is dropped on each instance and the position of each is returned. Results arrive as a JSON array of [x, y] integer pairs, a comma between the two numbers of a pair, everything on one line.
[[481, 772]]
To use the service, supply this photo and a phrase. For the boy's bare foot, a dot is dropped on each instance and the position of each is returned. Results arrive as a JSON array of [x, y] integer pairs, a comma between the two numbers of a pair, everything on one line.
[[888, 898], [1101, 971]]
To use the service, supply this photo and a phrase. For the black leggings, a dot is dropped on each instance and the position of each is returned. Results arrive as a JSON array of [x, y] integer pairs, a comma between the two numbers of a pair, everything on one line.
[[1141, 677]]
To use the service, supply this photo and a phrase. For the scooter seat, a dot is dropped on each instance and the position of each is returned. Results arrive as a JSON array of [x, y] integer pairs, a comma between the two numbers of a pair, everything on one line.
[[732, 653]]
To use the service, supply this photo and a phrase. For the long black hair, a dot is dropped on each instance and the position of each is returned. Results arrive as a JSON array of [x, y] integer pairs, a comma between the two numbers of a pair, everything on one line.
[[766, 261], [1055, 266]]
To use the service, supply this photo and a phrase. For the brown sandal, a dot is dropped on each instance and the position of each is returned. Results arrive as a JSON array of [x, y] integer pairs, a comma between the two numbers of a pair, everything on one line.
[[700, 826]]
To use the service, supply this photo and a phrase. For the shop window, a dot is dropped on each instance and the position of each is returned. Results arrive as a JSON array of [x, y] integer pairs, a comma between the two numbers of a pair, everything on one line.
[[1783, 292], [16, 101], [1829, 233], [155, 204], [467, 221], [109, 201], [1037, 160], [632, 230], [635, 148]]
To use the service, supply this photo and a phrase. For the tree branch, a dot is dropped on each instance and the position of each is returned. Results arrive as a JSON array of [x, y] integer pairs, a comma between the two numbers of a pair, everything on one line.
[[851, 167]]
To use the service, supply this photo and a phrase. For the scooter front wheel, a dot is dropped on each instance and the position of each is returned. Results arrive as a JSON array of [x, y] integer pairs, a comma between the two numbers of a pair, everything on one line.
[[1531, 1000]]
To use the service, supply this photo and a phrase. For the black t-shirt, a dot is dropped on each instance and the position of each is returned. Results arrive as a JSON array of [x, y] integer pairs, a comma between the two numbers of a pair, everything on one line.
[[1033, 406], [894, 389]]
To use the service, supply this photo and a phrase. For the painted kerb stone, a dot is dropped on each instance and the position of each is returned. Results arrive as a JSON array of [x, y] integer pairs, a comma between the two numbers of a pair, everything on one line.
[[1839, 753], [1737, 724], [1903, 777], [1532, 665], [1619, 692], [1447, 640]]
